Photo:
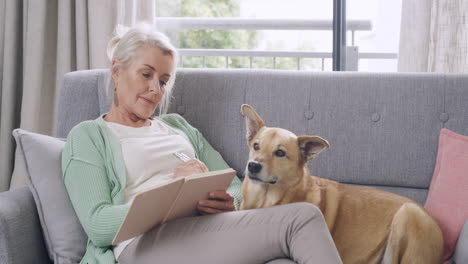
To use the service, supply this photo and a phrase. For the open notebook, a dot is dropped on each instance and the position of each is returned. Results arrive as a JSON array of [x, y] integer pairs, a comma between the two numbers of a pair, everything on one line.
[[177, 198]]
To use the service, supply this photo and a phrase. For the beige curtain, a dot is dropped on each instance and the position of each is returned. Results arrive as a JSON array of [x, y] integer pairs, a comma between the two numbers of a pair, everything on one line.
[[11, 76], [434, 36], [40, 41]]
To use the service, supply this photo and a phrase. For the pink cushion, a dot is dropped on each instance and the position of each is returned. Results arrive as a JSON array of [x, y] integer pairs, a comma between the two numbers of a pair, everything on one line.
[[447, 200]]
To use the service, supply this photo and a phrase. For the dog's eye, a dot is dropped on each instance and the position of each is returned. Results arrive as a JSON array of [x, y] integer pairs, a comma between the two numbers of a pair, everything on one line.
[[280, 153], [256, 146]]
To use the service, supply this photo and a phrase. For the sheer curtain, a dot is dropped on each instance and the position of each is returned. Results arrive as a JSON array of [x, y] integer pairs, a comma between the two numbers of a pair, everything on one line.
[[434, 36], [130, 12]]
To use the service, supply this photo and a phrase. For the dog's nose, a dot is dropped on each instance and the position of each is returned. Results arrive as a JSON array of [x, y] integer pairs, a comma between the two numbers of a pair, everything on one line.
[[254, 167]]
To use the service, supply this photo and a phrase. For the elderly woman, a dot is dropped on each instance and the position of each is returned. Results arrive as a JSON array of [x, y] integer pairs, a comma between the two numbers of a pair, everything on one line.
[[108, 161]]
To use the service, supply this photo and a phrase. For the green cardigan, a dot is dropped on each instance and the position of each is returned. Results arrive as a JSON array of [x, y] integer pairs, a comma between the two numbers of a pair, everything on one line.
[[95, 177]]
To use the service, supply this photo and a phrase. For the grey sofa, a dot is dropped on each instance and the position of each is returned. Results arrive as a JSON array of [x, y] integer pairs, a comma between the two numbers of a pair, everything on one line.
[[383, 129]]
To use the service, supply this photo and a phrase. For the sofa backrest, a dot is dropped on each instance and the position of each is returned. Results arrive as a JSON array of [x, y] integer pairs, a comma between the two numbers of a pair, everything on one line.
[[383, 128]]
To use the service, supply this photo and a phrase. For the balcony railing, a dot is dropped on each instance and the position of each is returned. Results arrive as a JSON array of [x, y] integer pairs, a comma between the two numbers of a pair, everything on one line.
[[352, 52]]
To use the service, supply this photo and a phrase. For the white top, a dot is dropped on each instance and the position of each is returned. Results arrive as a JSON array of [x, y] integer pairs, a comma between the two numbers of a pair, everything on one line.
[[149, 159]]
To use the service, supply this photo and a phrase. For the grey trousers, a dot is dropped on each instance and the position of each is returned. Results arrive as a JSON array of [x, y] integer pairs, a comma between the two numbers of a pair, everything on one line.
[[293, 233]]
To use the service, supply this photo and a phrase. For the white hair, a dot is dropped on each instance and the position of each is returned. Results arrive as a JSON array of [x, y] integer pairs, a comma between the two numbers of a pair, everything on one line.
[[123, 46]]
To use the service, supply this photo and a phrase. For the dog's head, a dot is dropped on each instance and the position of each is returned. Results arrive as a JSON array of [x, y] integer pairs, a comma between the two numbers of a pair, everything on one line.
[[277, 155]]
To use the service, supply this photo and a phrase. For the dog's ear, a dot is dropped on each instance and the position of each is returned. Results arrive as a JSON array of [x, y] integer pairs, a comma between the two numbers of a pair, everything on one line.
[[311, 146], [253, 122]]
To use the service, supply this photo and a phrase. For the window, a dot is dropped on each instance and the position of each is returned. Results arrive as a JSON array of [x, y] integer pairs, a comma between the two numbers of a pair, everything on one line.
[[378, 48], [272, 34]]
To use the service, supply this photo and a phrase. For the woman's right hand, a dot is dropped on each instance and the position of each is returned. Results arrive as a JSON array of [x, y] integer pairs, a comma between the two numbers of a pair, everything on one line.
[[193, 166]]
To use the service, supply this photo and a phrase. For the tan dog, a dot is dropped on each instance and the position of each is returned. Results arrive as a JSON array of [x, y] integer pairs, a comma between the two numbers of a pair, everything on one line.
[[367, 225]]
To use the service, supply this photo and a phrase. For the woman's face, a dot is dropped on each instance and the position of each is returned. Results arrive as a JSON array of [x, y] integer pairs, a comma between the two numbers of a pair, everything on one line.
[[141, 85]]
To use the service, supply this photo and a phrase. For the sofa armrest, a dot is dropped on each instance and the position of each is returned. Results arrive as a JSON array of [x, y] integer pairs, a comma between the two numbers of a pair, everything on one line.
[[21, 239], [461, 251]]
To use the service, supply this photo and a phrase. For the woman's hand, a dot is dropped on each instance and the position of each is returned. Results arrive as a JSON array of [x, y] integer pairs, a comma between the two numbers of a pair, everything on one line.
[[218, 202], [193, 166]]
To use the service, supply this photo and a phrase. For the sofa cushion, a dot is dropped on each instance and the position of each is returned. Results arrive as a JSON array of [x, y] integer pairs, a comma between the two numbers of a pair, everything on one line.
[[461, 252], [39, 158], [447, 200]]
